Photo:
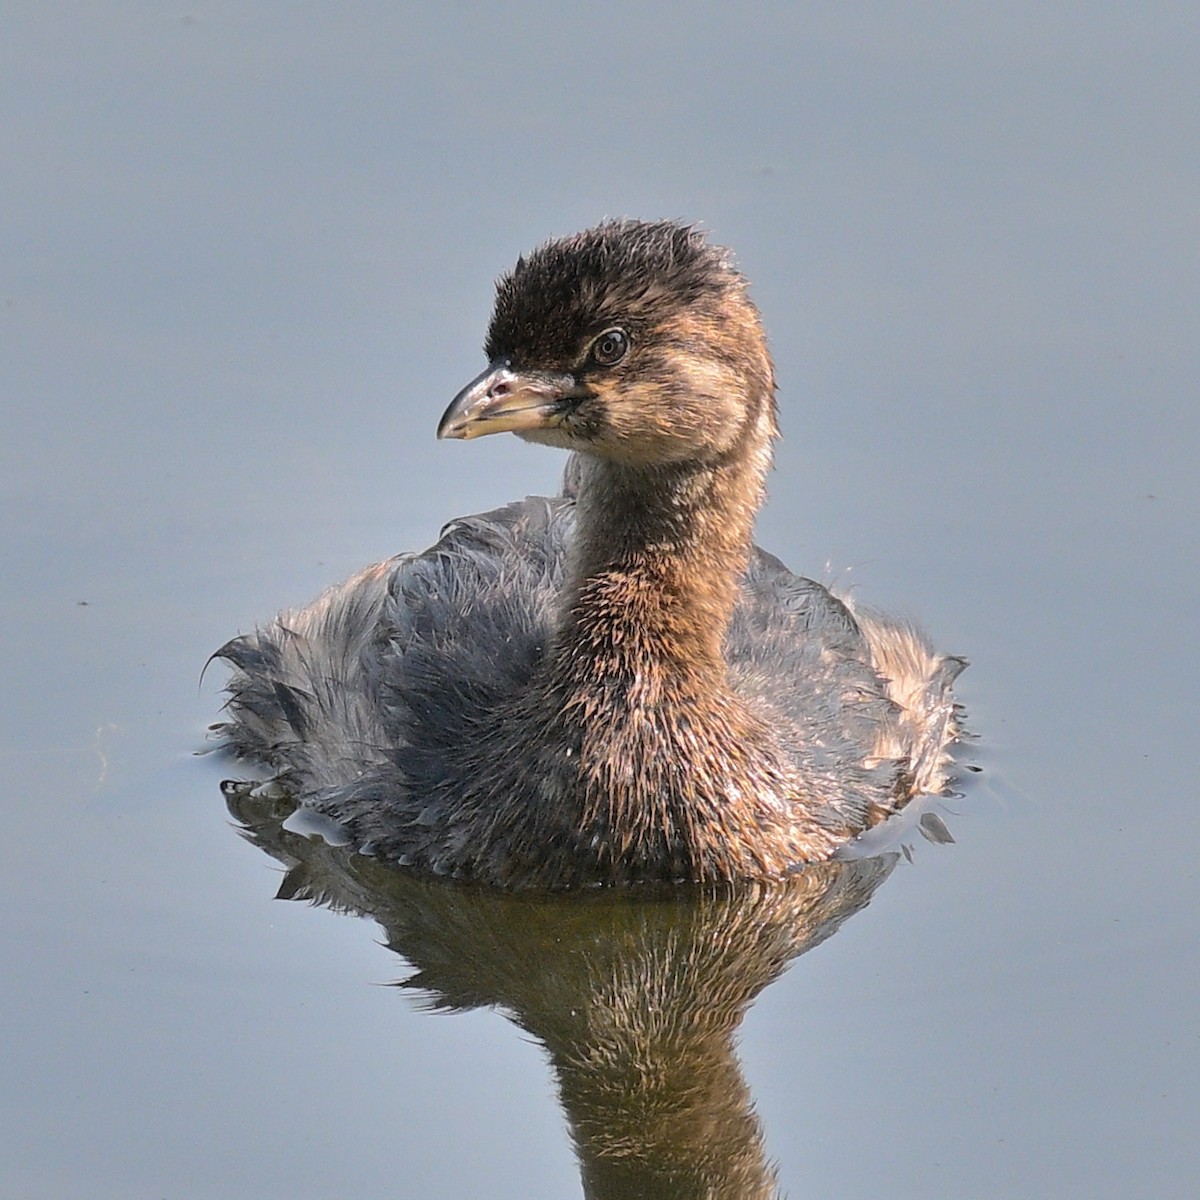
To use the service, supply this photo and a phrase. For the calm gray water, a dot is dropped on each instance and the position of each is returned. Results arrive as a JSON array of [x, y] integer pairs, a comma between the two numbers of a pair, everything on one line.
[[246, 256]]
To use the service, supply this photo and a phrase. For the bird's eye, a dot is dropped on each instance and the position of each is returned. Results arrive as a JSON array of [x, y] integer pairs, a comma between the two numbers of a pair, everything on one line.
[[610, 347]]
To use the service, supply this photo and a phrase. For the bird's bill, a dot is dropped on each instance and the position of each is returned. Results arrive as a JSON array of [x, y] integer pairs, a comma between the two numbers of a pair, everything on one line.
[[502, 400]]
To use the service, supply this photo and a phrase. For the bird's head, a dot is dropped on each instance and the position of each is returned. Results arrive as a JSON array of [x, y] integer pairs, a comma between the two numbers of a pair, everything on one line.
[[632, 341]]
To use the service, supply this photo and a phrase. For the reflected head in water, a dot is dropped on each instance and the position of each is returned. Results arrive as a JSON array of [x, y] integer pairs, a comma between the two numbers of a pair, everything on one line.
[[636, 995], [613, 685]]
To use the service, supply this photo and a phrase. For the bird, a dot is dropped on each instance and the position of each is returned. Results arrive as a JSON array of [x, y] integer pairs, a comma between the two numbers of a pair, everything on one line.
[[615, 685]]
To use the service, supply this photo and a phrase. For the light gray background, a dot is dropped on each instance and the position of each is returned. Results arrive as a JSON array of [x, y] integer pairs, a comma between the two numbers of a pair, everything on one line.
[[246, 255]]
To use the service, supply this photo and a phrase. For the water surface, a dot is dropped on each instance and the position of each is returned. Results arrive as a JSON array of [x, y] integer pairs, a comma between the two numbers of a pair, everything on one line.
[[247, 259]]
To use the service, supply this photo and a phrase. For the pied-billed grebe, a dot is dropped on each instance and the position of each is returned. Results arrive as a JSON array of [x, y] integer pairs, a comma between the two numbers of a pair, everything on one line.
[[615, 684]]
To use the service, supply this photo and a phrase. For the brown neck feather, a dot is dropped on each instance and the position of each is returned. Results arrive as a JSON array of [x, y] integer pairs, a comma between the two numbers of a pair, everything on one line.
[[658, 555]]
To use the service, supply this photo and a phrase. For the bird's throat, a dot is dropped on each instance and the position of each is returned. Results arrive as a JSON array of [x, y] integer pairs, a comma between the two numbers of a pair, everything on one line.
[[655, 569]]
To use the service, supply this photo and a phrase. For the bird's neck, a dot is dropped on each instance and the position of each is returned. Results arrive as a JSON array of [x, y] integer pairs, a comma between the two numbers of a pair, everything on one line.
[[656, 565]]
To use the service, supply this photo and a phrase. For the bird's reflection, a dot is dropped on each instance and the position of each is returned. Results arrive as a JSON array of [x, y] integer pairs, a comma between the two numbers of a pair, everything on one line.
[[636, 995]]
